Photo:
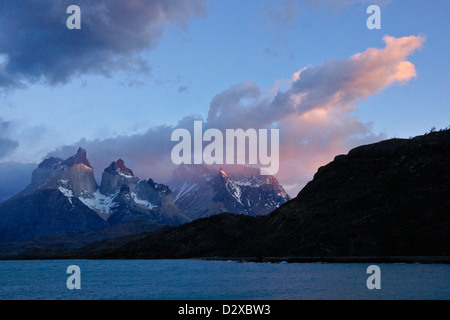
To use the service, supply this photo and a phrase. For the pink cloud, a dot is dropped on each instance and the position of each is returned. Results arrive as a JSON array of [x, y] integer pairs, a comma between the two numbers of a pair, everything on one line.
[[315, 114]]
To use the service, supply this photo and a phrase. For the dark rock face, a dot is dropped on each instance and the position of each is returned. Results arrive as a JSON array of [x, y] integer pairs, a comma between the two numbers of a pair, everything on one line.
[[134, 199], [202, 191], [161, 211], [74, 175], [386, 199], [116, 175], [119, 167]]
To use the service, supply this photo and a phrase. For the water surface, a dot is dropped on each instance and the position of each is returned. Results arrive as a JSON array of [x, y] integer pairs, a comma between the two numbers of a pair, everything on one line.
[[204, 280]]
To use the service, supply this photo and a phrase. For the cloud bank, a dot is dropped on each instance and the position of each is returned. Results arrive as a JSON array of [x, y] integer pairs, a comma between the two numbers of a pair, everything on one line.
[[35, 43], [315, 115], [15, 178], [7, 145]]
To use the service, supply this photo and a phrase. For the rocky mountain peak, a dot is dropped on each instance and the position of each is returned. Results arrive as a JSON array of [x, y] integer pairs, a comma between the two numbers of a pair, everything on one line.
[[79, 158], [71, 176], [158, 187], [202, 191], [120, 168], [115, 176], [124, 196]]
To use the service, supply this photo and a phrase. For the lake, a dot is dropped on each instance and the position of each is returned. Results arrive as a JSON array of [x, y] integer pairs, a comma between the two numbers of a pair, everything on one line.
[[219, 280]]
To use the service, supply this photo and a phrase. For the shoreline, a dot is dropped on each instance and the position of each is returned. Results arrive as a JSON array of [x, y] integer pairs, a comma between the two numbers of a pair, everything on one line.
[[408, 260], [290, 260]]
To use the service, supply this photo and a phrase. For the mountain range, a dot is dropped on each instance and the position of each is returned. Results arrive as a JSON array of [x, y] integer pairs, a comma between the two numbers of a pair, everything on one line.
[[65, 199], [201, 191], [382, 200]]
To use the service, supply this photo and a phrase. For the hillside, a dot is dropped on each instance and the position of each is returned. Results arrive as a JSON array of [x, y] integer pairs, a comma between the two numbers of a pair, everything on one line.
[[387, 199]]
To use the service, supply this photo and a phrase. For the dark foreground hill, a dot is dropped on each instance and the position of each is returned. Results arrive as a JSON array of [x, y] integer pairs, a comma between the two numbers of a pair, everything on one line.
[[387, 199]]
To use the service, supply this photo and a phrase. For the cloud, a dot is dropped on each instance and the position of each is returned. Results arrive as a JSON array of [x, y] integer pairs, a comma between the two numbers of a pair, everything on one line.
[[35, 43], [15, 177], [334, 84], [7, 145], [147, 154], [183, 89], [314, 112]]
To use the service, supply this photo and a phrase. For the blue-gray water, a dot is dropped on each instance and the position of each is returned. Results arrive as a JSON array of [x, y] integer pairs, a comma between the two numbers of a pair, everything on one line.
[[202, 280]]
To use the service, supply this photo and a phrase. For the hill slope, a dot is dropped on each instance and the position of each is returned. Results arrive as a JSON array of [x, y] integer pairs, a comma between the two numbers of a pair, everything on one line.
[[387, 199]]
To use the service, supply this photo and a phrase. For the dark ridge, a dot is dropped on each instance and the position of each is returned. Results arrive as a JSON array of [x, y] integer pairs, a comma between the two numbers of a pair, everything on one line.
[[387, 199]]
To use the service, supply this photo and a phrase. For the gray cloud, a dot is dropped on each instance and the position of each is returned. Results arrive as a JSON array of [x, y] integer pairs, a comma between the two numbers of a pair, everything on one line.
[[15, 177], [7, 145], [183, 89], [147, 154], [36, 45]]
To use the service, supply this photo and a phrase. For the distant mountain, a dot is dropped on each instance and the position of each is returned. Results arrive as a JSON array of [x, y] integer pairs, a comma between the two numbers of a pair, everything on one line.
[[43, 213], [387, 199], [73, 177], [64, 198], [65, 202], [201, 191], [122, 198]]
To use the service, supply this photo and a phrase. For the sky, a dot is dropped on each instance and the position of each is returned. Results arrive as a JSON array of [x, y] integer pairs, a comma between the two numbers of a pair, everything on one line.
[[139, 69]]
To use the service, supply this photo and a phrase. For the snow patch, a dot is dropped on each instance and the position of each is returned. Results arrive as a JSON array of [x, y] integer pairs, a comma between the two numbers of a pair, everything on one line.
[[142, 202], [67, 193], [100, 203], [125, 175], [65, 183], [235, 191]]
